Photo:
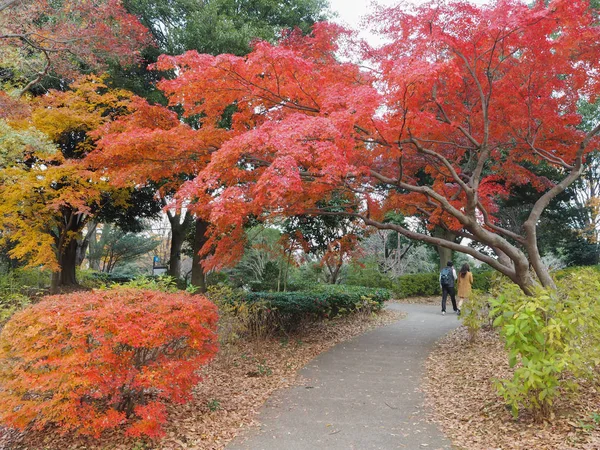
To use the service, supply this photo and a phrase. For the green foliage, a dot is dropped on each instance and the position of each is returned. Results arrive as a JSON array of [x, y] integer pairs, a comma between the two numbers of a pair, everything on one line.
[[475, 313], [222, 26], [17, 289], [428, 284], [117, 247], [162, 283], [570, 271], [367, 274], [213, 405], [483, 281], [305, 277], [92, 279], [418, 284], [323, 301], [547, 335]]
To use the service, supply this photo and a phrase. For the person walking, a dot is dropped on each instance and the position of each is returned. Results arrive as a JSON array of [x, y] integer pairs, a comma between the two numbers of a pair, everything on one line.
[[465, 282], [447, 279]]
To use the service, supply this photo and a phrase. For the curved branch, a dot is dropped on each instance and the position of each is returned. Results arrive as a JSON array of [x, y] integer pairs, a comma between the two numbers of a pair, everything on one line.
[[496, 228], [506, 270]]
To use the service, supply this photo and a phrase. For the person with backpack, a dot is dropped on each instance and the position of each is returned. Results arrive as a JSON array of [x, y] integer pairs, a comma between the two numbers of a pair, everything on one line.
[[447, 279]]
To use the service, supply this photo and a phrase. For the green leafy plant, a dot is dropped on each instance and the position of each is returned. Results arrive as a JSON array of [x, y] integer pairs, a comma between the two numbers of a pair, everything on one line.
[[213, 405], [475, 313], [162, 283], [549, 334], [263, 369], [289, 309]]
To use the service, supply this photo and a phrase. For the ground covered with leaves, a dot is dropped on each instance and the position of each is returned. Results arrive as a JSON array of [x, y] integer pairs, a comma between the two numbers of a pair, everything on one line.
[[460, 389], [234, 387]]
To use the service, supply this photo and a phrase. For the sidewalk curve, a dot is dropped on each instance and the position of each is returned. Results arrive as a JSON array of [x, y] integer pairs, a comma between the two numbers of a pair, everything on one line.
[[362, 394]]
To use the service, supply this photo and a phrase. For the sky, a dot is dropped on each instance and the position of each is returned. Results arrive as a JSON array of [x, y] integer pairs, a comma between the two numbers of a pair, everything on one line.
[[351, 11]]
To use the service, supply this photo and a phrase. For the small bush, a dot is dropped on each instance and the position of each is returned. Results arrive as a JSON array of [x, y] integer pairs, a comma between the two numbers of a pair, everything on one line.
[[94, 279], [417, 285], [475, 313], [15, 292], [162, 283], [549, 334], [238, 318], [483, 281], [291, 308], [87, 362]]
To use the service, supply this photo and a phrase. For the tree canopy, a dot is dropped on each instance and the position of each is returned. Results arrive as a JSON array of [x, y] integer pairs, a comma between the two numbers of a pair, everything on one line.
[[454, 108]]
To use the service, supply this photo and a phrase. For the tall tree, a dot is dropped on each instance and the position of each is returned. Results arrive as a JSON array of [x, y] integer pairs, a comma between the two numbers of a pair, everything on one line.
[[463, 100], [47, 198], [212, 26]]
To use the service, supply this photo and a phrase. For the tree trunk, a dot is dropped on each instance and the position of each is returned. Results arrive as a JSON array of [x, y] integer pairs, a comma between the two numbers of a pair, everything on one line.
[[66, 250], [83, 245], [177, 238], [179, 229], [67, 259], [198, 275], [444, 253]]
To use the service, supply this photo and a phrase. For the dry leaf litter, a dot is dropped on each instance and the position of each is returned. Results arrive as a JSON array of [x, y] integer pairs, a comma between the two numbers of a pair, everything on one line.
[[234, 387], [459, 388]]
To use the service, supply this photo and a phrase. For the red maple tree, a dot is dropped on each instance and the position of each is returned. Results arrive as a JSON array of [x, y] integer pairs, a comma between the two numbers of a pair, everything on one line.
[[459, 105]]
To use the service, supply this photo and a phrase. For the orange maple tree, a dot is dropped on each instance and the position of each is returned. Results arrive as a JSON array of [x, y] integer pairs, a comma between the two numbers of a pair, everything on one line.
[[92, 361], [459, 104], [151, 146], [48, 196]]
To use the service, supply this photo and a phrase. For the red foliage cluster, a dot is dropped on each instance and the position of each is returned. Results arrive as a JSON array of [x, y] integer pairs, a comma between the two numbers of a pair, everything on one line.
[[87, 362]]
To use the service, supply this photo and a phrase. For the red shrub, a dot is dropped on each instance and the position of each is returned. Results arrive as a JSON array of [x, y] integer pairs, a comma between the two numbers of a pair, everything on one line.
[[90, 361]]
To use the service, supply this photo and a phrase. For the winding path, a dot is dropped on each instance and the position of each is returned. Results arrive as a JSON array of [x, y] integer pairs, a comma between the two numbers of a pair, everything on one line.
[[362, 394]]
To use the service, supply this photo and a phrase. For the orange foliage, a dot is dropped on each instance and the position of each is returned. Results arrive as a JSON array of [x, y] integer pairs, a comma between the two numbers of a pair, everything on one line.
[[87, 362], [47, 198]]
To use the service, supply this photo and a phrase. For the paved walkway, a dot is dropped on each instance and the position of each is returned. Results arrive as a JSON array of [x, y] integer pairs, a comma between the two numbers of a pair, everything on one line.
[[362, 394]]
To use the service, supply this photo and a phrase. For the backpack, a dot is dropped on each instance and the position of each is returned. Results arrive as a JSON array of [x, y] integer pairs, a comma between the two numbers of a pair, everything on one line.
[[446, 276]]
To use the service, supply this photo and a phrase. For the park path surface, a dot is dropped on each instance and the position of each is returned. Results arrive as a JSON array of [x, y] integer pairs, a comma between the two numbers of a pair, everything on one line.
[[362, 394]]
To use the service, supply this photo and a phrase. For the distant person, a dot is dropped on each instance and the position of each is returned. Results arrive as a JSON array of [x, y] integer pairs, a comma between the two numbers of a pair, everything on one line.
[[447, 279], [465, 282]]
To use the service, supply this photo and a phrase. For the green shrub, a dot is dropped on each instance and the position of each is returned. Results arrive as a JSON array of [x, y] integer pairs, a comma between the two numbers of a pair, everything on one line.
[[482, 281], [290, 308], [475, 313], [163, 283], [428, 284], [549, 334], [417, 285], [17, 288], [367, 274], [563, 273]]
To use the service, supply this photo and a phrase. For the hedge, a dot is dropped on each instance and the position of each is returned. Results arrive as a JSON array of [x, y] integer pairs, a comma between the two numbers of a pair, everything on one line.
[[321, 301], [428, 284]]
